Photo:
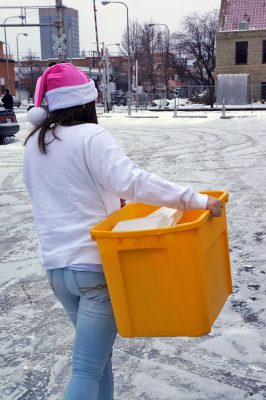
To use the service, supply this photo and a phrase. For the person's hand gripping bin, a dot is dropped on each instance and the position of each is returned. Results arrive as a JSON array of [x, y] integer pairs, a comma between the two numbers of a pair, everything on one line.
[[170, 281]]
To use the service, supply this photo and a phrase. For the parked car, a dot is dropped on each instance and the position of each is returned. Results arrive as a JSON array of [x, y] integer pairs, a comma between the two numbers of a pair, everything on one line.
[[119, 98], [8, 124], [16, 102]]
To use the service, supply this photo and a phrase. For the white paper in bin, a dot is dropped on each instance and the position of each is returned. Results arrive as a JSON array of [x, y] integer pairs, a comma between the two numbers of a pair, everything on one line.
[[161, 218]]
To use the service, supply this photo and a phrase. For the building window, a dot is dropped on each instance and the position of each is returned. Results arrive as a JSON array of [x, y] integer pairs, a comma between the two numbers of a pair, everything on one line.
[[263, 91], [264, 51], [241, 52], [243, 26]]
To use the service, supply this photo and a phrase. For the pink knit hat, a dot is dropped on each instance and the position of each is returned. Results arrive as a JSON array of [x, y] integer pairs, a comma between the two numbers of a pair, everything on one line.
[[64, 86]]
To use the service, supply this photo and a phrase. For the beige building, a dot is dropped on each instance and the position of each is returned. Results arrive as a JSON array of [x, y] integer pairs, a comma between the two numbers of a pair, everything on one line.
[[241, 43]]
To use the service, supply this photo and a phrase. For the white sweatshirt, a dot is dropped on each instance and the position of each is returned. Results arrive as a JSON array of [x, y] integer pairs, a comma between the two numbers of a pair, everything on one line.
[[79, 182]]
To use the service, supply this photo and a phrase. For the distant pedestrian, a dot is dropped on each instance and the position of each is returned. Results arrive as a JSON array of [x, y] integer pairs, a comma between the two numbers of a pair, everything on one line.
[[143, 100], [76, 174], [98, 84], [7, 100]]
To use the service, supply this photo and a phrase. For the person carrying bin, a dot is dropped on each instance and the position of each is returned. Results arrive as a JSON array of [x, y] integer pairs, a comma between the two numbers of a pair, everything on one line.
[[76, 175]]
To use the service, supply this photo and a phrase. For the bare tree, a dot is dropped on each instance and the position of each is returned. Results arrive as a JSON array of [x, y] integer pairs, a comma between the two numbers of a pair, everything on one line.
[[143, 46], [195, 47], [135, 32], [148, 50], [162, 48]]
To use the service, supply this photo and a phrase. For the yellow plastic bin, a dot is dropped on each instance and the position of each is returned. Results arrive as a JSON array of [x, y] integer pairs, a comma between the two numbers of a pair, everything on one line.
[[166, 282]]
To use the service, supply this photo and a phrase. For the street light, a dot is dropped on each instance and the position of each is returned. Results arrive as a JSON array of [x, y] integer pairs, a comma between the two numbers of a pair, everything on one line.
[[7, 70], [24, 34], [112, 44], [97, 46], [167, 54], [128, 53]]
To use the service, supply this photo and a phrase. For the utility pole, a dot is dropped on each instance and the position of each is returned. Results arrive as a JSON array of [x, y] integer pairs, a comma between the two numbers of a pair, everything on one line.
[[104, 80], [96, 33], [60, 26], [107, 73]]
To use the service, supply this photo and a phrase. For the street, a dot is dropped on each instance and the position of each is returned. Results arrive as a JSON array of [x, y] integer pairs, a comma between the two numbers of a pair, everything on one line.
[[227, 364]]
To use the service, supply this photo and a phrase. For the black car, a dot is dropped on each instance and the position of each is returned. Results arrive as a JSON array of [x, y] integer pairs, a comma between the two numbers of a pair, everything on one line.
[[8, 124]]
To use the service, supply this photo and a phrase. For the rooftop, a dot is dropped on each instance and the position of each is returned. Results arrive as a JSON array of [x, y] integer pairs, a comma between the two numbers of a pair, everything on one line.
[[242, 15]]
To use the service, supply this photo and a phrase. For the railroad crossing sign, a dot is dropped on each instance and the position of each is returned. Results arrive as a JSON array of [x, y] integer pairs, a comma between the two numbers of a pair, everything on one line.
[[59, 42]]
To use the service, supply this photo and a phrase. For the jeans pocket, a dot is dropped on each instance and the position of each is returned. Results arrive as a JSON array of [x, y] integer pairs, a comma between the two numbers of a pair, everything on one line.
[[92, 286], [50, 279]]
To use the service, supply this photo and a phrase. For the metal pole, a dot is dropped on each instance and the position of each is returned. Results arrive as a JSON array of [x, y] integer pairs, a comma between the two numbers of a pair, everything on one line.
[[251, 95], [18, 67], [23, 25], [167, 60], [128, 61], [60, 24], [7, 68], [96, 33], [107, 79], [175, 113], [19, 85], [23, 7], [223, 110], [104, 81], [137, 84]]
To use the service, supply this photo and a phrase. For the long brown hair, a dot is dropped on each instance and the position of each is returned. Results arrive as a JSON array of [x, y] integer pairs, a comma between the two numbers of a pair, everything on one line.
[[66, 117]]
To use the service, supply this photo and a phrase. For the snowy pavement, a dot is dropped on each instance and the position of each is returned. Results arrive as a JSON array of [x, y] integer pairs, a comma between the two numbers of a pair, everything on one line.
[[227, 364]]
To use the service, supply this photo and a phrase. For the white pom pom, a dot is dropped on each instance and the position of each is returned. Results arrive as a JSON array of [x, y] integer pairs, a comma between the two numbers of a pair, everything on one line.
[[37, 115]]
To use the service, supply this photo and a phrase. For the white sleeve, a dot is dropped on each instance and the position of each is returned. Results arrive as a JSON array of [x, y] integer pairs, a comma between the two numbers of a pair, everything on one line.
[[116, 173]]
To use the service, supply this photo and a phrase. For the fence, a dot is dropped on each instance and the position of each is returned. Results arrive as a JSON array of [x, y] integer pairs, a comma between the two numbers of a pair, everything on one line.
[[189, 97], [158, 99]]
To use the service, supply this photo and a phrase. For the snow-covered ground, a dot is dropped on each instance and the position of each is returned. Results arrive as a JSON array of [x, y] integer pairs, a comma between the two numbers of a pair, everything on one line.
[[184, 103], [227, 364]]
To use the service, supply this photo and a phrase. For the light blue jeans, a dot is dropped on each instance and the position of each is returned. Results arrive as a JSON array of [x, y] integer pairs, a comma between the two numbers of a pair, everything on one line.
[[84, 296]]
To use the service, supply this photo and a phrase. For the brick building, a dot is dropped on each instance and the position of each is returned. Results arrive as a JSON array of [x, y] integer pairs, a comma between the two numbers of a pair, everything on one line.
[[3, 72], [241, 43]]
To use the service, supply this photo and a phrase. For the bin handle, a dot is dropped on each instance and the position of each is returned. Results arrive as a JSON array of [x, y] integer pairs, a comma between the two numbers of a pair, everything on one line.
[[222, 196]]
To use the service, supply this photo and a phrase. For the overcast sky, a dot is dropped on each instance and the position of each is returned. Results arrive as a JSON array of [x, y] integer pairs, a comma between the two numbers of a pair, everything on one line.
[[111, 19]]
